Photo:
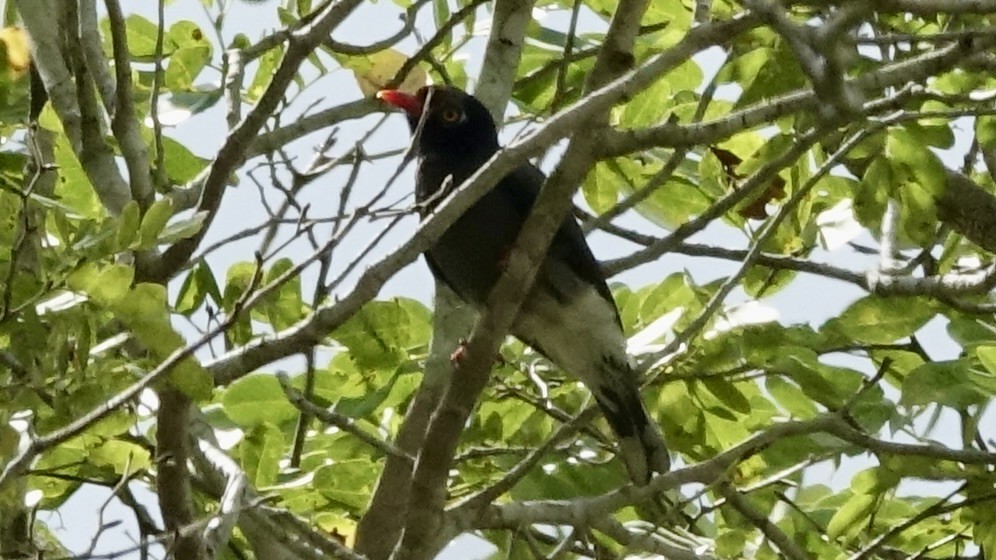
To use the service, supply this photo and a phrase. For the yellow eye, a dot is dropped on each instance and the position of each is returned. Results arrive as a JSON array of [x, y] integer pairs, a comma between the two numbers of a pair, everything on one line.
[[451, 115]]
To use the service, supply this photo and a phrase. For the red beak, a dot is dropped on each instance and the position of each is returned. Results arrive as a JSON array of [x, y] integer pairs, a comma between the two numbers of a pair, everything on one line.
[[405, 101]]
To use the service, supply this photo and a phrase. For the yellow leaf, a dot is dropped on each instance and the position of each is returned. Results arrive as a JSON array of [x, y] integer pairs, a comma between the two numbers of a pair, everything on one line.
[[372, 72], [15, 45], [338, 527]]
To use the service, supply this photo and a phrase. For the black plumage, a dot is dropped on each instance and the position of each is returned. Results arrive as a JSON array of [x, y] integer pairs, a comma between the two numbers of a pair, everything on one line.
[[569, 315]]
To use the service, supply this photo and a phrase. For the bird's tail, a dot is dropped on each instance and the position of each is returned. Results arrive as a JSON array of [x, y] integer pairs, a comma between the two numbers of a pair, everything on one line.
[[641, 446]]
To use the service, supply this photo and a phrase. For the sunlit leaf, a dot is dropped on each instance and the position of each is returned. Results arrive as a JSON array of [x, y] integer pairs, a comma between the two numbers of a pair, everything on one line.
[[257, 399], [374, 71]]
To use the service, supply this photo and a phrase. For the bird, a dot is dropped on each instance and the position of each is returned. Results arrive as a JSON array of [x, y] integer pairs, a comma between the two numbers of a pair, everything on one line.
[[569, 315]]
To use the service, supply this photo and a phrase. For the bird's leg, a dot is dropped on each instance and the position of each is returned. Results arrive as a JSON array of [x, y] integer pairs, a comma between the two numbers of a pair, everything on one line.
[[460, 353]]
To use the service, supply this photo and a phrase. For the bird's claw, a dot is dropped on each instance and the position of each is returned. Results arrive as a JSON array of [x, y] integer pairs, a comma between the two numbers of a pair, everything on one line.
[[460, 353]]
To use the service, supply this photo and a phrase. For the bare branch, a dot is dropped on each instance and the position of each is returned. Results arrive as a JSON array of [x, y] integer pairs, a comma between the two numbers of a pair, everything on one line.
[[93, 53], [913, 69], [124, 122], [333, 418], [272, 533], [501, 57], [234, 151], [173, 480], [426, 523], [579, 511], [408, 25], [81, 124], [789, 548], [649, 541], [313, 329]]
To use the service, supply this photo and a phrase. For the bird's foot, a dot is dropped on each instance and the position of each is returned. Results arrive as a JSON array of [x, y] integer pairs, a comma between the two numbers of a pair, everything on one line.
[[460, 353]]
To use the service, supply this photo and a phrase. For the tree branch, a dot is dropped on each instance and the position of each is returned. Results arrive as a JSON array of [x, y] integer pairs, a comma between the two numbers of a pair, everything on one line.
[[311, 330], [426, 523], [123, 120], [233, 152], [381, 526], [344, 423], [789, 548], [60, 78], [501, 57], [913, 69], [173, 479], [579, 512]]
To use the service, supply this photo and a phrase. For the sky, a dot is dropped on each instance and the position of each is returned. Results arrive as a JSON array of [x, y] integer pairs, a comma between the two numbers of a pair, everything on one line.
[[803, 301]]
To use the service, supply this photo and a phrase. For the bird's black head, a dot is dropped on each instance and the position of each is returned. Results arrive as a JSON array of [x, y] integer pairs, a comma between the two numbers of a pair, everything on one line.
[[446, 121]]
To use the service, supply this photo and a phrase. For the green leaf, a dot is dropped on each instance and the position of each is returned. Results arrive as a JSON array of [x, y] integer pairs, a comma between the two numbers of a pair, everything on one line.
[[851, 515], [731, 543], [873, 192], [601, 188], [264, 73], [144, 311], [347, 482], [198, 284], [803, 367], [441, 14], [378, 335], [968, 331], [237, 281], [185, 33], [987, 355], [125, 458], [181, 164], [770, 149], [727, 393], [282, 307], [936, 133], [185, 64], [874, 481], [675, 291], [768, 72], [141, 35], [674, 203], [257, 399], [881, 320], [106, 285], [908, 150], [74, 189], [358, 407], [958, 81], [983, 520], [790, 397], [127, 226], [182, 229], [985, 130], [260, 452], [948, 383], [154, 221], [763, 281], [687, 76], [647, 107]]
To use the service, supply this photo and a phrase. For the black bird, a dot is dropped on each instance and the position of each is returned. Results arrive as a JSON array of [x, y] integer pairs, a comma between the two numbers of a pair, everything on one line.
[[569, 316]]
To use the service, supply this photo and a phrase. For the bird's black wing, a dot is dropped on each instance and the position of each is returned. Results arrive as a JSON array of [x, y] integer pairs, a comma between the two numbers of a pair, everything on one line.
[[569, 245]]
